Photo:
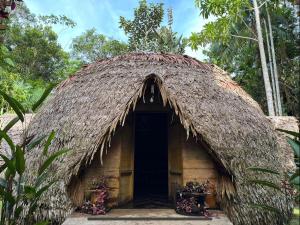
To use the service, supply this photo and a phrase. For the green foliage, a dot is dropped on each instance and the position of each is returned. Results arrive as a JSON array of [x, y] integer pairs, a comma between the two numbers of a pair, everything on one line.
[[32, 57], [221, 7], [218, 31], [36, 52], [266, 184], [264, 170], [90, 46], [142, 29], [231, 38], [146, 34], [43, 97], [169, 41], [61, 19], [50, 160], [17, 195], [227, 13], [266, 207], [293, 133], [12, 102]]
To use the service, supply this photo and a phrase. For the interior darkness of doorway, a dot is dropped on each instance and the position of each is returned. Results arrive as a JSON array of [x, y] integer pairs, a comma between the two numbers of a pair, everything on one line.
[[151, 158]]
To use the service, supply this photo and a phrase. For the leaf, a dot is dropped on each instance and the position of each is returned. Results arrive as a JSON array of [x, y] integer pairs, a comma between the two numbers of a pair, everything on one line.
[[48, 142], [18, 211], [295, 146], [20, 160], [11, 124], [42, 223], [295, 179], [7, 196], [4, 135], [43, 189], [264, 170], [9, 163], [50, 160], [3, 167], [29, 192], [265, 207], [294, 175], [43, 97], [3, 183], [265, 183], [32, 208], [12, 102], [40, 179], [295, 134], [23, 110], [9, 62], [35, 142]]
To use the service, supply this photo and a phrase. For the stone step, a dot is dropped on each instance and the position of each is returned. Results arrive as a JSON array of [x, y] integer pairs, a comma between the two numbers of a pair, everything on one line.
[[146, 216]]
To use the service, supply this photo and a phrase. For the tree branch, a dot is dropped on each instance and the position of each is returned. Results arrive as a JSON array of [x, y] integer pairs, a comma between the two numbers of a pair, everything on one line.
[[249, 38], [259, 5], [247, 26]]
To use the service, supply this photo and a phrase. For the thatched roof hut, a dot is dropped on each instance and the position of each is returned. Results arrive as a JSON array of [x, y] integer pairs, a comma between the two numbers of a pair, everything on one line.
[[93, 111]]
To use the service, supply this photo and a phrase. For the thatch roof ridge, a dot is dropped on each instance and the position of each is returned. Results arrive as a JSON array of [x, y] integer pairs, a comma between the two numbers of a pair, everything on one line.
[[222, 76], [167, 58], [224, 116], [183, 60]]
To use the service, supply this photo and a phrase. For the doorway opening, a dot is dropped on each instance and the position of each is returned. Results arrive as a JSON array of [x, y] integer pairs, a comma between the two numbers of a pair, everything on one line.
[[151, 159]]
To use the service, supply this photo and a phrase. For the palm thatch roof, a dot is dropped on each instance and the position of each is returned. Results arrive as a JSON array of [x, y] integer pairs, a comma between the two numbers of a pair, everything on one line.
[[88, 107], [16, 133]]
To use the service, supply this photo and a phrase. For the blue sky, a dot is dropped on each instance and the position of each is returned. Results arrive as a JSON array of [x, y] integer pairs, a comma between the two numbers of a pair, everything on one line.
[[104, 16]]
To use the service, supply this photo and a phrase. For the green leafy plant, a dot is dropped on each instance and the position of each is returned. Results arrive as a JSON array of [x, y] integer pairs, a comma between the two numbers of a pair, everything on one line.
[[20, 198], [291, 185]]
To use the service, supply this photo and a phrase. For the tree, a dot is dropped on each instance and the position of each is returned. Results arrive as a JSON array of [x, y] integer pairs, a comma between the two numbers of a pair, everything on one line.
[[269, 94], [273, 65], [146, 34], [10, 82], [228, 13], [234, 46], [168, 41], [90, 46], [32, 56], [36, 52], [141, 30]]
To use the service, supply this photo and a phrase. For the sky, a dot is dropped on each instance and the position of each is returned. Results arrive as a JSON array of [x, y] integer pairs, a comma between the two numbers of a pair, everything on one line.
[[104, 16]]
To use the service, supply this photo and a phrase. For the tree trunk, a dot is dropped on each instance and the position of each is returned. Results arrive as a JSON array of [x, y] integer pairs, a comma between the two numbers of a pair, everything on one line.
[[278, 97], [267, 83], [271, 69]]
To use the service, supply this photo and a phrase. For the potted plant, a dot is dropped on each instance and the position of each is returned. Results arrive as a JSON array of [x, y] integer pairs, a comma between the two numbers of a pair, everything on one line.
[[190, 200], [96, 199]]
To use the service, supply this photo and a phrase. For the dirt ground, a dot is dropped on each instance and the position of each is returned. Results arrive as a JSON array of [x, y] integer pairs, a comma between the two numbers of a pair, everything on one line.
[[145, 217]]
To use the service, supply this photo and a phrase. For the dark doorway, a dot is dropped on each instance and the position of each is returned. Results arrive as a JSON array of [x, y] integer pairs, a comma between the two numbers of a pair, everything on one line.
[[151, 158]]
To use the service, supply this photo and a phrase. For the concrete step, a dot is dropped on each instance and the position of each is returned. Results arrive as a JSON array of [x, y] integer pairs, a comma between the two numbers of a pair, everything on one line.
[[146, 216]]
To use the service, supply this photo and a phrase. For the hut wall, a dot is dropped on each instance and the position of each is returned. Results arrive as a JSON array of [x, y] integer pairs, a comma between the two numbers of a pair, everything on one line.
[[82, 186], [175, 137], [126, 165], [199, 166]]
